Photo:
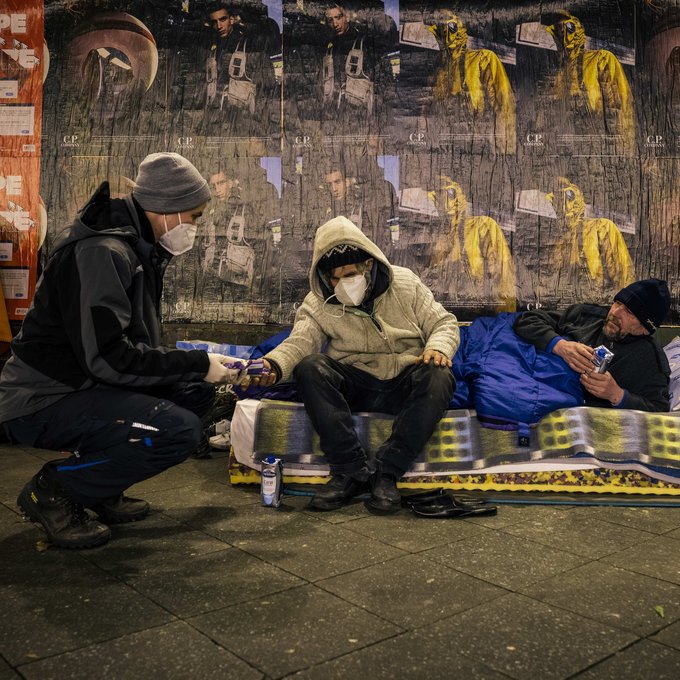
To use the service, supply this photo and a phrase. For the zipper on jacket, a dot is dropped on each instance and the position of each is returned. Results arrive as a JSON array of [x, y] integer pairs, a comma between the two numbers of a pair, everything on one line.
[[379, 327]]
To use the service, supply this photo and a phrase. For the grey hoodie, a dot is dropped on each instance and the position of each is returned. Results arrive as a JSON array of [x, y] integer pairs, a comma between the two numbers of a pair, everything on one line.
[[404, 322]]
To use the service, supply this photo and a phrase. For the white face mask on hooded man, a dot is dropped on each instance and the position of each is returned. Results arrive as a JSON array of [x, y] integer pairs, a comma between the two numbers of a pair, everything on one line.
[[351, 290], [179, 239]]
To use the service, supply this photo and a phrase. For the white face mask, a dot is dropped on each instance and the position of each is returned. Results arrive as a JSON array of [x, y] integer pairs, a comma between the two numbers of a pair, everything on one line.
[[179, 239], [351, 290]]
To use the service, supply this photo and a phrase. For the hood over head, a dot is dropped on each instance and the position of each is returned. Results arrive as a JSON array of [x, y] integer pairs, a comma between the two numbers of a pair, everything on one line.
[[104, 216], [343, 242]]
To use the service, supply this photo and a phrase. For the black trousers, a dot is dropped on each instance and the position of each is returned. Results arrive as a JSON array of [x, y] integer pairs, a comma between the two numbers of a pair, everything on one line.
[[331, 391], [117, 437]]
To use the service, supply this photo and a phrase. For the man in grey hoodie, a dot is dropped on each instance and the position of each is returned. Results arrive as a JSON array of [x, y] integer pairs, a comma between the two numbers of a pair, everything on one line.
[[387, 347]]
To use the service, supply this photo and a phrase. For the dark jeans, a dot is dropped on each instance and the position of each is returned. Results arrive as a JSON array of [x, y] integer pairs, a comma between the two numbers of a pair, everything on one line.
[[118, 437], [331, 391]]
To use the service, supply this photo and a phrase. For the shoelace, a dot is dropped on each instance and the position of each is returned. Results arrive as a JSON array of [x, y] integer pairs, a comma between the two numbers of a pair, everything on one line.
[[78, 516]]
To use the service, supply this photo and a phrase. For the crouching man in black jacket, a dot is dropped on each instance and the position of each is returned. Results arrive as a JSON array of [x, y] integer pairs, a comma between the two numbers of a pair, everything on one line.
[[87, 373], [639, 372]]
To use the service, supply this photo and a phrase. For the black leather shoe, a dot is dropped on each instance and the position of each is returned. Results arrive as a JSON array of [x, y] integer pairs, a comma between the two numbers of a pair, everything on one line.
[[339, 491], [121, 509], [449, 506], [65, 522], [385, 498]]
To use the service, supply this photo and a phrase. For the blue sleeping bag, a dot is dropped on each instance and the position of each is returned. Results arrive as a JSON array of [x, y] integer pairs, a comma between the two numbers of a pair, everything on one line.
[[508, 380]]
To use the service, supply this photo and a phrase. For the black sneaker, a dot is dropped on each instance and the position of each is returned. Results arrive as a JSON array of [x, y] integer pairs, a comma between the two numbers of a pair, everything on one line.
[[121, 509], [339, 491], [385, 498], [65, 522]]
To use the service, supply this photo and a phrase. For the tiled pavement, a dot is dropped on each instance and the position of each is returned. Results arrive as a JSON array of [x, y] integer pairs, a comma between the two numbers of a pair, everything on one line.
[[212, 585]]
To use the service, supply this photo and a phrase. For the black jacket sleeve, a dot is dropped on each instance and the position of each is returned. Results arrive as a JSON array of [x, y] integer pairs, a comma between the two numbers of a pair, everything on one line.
[[108, 330], [538, 327]]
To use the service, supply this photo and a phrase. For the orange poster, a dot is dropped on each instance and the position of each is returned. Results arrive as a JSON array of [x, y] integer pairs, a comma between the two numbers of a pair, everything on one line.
[[22, 64]]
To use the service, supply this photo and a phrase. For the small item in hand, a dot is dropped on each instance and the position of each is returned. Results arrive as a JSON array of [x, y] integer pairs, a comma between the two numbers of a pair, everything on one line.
[[256, 367], [602, 358]]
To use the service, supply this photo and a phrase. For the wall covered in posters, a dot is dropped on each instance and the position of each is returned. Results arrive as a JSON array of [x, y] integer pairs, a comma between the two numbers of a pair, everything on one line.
[[23, 63], [513, 154]]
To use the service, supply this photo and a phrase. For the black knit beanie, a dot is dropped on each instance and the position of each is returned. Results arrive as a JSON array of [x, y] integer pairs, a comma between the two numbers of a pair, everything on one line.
[[340, 255], [648, 300]]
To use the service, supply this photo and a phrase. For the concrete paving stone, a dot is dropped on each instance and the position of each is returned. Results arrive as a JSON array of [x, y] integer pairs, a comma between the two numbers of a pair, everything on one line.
[[526, 639], [144, 546], [505, 560], [411, 591], [6, 670], [669, 636], [55, 601], [409, 532], [509, 514], [653, 520], [411, 656], [243, 525], [200, 503], [172, 652], [580, 535], [293, 630], [314, 550], [674, 534], [659, 558], [642, 661], [616, 597], [193, 584], [9, 674], [16, 533]]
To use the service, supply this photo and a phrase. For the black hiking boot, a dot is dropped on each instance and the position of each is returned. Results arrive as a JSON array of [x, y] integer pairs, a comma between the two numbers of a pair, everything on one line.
[[65, 522], [121, 509]]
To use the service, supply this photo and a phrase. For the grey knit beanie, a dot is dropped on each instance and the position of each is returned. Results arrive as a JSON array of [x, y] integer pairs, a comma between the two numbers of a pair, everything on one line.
[[168, 183]]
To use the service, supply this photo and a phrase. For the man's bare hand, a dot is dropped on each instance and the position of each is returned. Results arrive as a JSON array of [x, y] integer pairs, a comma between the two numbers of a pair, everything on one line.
[[602, 385], [579, 357], [437, 358]]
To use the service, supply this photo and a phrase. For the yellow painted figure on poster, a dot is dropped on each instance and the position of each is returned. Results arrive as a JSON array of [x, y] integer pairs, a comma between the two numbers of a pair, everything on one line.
[[483, 252], [478, 75], [594, 78], [596, 243]]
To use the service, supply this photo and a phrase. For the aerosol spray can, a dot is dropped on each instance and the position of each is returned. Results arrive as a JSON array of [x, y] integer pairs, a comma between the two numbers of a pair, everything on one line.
[[272, 481]]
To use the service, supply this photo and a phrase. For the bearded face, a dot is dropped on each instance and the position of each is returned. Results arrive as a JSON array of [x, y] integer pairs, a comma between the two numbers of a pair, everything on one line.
[[567, 200], [569, 36]]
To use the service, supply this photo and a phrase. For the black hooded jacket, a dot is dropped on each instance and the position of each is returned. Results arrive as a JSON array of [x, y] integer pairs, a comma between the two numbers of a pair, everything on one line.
[[95, 316]]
